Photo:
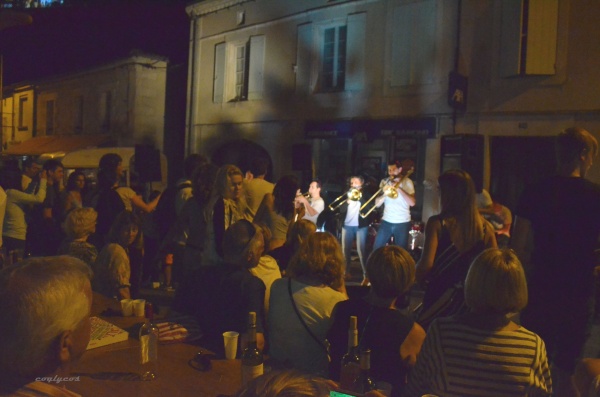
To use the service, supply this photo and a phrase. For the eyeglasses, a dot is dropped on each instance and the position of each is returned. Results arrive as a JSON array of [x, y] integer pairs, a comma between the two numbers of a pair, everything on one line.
[[202, 361]]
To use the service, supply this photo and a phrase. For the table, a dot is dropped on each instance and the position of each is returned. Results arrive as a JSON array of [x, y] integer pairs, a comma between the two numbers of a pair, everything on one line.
[[112, 370]]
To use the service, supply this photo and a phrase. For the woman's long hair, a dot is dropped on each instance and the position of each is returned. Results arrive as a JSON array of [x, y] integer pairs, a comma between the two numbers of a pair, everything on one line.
[[284, 194], [459, 208], [320, 257]]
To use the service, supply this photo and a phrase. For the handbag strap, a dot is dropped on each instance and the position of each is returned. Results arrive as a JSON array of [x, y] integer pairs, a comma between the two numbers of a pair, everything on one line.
[[302, 320]]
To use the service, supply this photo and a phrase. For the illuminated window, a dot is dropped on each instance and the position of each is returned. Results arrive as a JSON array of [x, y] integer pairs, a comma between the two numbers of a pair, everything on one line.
[[22, 108], [239, 69], [334, 58]]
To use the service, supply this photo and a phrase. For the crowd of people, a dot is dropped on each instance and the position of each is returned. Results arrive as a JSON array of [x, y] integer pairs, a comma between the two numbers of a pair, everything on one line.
[[493, 322]]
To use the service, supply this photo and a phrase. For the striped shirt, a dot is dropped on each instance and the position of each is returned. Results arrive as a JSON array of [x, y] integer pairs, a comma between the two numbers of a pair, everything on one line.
[[459, 360]]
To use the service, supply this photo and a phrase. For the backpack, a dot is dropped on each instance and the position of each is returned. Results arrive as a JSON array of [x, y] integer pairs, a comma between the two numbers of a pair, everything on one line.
[[164, 215]]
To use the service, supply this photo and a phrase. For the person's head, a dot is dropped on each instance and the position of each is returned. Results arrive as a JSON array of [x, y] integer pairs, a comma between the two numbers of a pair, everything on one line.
[[54, 169], [10, 178], [284, 194], [76, 181], [192, 162], [315, 188], [80, 222], [45, 305], [394, 168], [259, 167], [288, 383], [496, 283], [356, 182], [243, 244], [298, 232], [125, 230], [111, 162], [575, 148], [31, 167], [391, 271], [229, 182], [320, 257], [457, 192]]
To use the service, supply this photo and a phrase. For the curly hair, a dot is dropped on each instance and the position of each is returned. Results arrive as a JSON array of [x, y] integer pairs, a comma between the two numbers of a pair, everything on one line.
[[319, 257], [80, 222]]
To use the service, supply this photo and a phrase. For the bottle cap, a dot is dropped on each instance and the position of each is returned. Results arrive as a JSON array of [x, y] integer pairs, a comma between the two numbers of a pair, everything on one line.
[[252, 318]]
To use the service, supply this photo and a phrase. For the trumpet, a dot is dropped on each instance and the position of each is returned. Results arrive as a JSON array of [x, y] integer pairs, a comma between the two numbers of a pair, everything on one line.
[[388, 190], [353, 194], [307, 195]]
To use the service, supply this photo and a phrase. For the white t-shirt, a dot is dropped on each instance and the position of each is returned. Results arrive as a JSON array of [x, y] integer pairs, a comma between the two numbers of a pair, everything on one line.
[[352, 214], [398, 210], [318, 205], [268, 271], [126, 194]]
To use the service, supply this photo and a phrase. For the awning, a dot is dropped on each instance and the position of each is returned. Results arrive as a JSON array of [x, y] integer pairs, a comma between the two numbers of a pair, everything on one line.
[[55, 143]]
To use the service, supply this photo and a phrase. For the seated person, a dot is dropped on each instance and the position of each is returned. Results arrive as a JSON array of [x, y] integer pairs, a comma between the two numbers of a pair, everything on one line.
[[45, 306], [226, 293], [483, 352], [114, 271], [286, 383], [300, 306], [80, 223], [297, 233], [267, 269], [394, 338]]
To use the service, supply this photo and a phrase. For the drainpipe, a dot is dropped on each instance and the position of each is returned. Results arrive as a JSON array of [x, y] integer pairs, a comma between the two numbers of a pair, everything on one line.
[[456, 57], [190, 117]]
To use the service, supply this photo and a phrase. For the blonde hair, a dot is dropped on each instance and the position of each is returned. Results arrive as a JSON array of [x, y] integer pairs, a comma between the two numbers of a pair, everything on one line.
[[459, 208], [289, 383], [496, 283], [222, 179], [391, 271], [80, 222], [319, 257]]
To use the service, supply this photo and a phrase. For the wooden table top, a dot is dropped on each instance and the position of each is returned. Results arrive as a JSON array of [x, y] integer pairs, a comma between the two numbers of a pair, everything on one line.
[[113, 370]]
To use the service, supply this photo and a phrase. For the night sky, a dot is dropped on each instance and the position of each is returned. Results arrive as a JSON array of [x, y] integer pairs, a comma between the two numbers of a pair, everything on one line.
[[67, 39]]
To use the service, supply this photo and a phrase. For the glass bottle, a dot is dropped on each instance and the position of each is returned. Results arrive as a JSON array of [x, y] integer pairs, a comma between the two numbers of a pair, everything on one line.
[[364, 382], [252, 358], [149, 346], [350, 366]]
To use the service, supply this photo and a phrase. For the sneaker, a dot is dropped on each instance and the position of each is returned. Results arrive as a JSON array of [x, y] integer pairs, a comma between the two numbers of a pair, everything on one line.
[[365, 282]]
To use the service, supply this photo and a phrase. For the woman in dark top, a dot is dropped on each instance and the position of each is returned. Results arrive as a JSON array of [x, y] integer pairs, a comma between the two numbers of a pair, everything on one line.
[[393, 337]]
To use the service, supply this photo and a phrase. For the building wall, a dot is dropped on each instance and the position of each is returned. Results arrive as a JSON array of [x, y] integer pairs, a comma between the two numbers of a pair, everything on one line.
[[402, 67]]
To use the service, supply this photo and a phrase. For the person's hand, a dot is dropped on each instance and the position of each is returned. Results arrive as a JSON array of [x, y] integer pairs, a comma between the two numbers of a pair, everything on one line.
[[43, 175]]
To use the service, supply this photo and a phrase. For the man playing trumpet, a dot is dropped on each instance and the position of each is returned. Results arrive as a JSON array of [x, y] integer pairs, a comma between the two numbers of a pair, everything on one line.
[[315, 206], [396, 212]]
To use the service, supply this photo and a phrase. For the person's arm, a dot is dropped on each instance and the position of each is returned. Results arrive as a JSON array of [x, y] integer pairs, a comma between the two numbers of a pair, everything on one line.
[[522, 241], [410, 348], [421, 376], [266, 206], [408, 197], [26, 198], [310, 211], [490, 235], [432, 232], [120, 271], [138, 202]]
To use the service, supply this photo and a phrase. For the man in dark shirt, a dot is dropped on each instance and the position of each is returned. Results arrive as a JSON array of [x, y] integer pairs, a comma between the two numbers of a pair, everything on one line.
[[556, 230], [228, 292]]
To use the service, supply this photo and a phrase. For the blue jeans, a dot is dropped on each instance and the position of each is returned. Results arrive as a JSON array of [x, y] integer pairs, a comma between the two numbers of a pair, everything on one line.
[[349, 233], [387, 230]]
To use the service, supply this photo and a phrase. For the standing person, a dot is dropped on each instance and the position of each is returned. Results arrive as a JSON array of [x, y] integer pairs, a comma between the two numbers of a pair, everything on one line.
[[355, 228], [14, 230], [255, 184], [277, 210], [226, 206], [396, 211], [482, 352], [556, 230], [30, 176], [315, 205], [452, 239], [74, 192]]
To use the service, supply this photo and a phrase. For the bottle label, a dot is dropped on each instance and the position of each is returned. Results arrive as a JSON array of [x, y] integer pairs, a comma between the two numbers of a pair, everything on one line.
[[148, 348], [348, 375], [250, 372]]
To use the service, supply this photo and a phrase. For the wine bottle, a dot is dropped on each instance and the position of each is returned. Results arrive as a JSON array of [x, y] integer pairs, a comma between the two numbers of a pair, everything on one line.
[[252, 358], [364, 382], [149, 346], [350, 366]]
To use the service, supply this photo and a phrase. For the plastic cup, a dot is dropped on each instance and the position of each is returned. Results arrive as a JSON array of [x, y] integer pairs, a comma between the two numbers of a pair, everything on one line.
[[139, 306], [127, 307], [230, 339]]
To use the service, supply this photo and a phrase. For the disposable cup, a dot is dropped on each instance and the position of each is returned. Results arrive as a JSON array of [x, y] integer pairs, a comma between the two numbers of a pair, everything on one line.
[[138, 307], [230, 339], [127, 307]]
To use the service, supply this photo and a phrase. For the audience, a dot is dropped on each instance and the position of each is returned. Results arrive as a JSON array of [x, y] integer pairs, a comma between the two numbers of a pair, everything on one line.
[[297, 233], [393, 337], [255, 184], [72, 196], [45, 306], [452, 239], [117, 269], [482, 352], [277, 209], [300, 306], [267, 269], [79, 225], [30, 175], [289, 383]]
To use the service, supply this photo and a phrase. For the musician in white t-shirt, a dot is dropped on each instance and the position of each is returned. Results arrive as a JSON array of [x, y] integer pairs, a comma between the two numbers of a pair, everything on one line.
[[314, 206]]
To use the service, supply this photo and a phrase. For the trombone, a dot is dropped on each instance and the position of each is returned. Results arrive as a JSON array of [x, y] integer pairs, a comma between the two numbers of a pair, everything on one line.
[[353, 194], [388, 190]]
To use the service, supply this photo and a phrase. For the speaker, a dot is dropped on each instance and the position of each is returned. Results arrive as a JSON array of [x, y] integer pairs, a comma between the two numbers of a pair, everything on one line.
[[147, 163], [465, 152], [301, 157]]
